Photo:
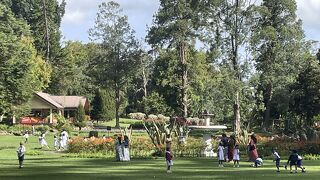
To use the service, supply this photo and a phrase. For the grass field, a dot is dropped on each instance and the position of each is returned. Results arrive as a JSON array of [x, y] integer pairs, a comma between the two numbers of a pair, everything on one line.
[[52, 165]]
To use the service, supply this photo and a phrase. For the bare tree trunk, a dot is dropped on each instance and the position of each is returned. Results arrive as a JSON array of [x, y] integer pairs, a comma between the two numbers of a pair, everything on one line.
[[46, 30], [184, 88], [145, 82], [235, 63], [267, 104], [236, 111], [117, 92]]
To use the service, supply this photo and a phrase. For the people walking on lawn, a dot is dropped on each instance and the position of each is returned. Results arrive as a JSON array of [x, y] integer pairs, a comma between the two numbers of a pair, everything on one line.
[[276, 158], [20, 152], [43, 141], [56, 143], [26, 137], [252, 148], [118, 148], [221, 154], [300, 165], [126, 154], [236, 156], [293, 160], [169, 160], [64, 139]]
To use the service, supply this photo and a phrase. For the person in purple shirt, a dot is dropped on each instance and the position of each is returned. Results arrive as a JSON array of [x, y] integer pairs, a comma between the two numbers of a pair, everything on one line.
[[169, 160]]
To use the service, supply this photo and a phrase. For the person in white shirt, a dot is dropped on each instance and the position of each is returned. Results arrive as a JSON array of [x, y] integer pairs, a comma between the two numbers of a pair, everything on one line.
[[20, 152], [26, 137], [258, 162], [276, 158], [42, 141], [236, 156], [56, 143], [220, 154]]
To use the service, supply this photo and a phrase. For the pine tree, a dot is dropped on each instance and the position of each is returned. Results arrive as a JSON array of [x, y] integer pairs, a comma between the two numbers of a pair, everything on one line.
[[103, 105], [80, 117], [119, 52]]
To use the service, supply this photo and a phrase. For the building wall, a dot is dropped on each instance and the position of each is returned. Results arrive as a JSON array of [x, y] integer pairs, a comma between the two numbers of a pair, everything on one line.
[[37, 103]]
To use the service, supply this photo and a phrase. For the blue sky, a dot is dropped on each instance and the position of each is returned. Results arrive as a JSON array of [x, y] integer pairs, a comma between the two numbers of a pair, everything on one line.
[[80, 15]]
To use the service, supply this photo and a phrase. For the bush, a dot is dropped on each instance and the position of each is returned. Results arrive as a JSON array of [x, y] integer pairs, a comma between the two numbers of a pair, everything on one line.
[[152, 117], [163, 118], [93, 134], [137, 125], [3, 127], [311, 157], [138, 115], [42, 128], [19, 129], [91, 145]]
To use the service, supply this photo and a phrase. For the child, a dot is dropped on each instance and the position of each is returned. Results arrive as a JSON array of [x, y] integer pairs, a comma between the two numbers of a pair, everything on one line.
[[299, 164], [293, 158], [221, 154], [276, 158], [42, 141], [20, 151], [236, 156], [169, 160], [258, 162], [56, 143], [26, 137]]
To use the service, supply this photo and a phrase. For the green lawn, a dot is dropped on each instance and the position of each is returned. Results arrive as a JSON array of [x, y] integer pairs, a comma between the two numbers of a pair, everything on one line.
[[52, 165]]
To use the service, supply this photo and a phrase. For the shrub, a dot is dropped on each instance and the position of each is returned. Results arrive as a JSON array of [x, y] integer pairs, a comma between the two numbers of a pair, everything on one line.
[[152, 117], [137, 125], [3, 127], [311, 157], [163, 118], [91, 145], [193, 147], [42, 128], [19, 129], [138, 115], [194, 121], [93, 134]]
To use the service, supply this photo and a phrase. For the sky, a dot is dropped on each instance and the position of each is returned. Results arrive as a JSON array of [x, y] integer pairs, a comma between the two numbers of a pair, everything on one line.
[[80, 15]]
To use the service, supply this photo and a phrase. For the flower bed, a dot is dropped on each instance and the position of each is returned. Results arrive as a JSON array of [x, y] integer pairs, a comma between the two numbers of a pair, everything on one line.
[[140, 147]]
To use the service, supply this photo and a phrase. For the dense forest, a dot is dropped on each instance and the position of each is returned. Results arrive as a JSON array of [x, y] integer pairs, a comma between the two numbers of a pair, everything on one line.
[[247, 63]]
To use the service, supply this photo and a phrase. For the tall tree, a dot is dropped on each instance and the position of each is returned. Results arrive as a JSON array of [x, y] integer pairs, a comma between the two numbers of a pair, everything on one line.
[[305, 93], [103, 107], [227, 25], [174, 25], [80, 117], [22, 71], [276, 42], [44, 18], [72, 72], [119, 50]]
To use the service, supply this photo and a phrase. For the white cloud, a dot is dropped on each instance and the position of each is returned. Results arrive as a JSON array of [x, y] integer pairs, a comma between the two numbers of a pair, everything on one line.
[[308, 12], [74, 18], [80, 15]]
